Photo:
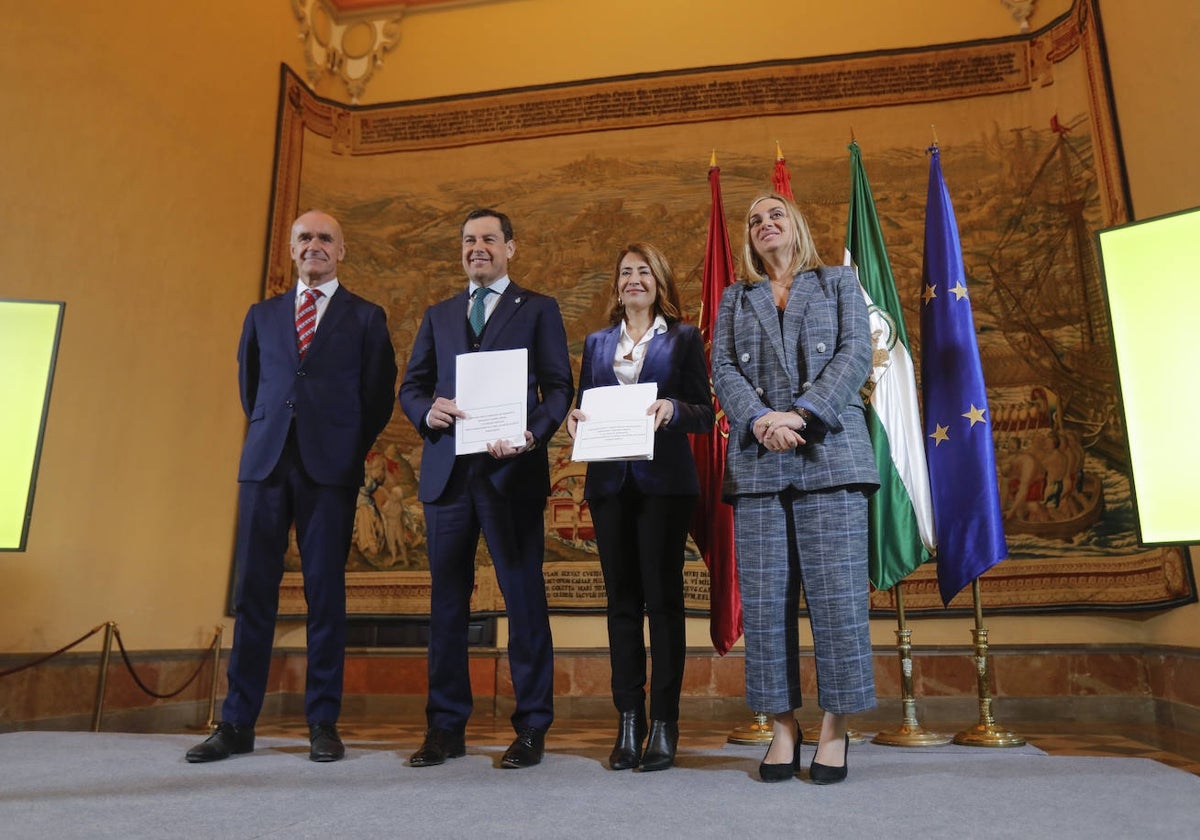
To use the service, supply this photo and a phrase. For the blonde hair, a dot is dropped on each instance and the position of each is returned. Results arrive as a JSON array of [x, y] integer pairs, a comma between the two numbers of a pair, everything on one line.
[[666, 297], [804, 250]]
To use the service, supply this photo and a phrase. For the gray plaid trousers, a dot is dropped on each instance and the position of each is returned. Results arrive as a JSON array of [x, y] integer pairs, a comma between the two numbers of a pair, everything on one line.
[[818, 540]]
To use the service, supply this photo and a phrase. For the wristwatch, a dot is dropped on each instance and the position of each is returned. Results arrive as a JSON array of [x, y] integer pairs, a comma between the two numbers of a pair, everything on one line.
[[805, 415]]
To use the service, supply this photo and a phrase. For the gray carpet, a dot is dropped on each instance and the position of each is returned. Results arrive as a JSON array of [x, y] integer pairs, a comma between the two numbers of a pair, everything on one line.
[[84, 785]]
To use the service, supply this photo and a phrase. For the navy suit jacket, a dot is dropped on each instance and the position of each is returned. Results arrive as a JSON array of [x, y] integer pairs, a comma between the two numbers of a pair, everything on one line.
[[521, 319], [675, 361], [339, 396], [821, 358]]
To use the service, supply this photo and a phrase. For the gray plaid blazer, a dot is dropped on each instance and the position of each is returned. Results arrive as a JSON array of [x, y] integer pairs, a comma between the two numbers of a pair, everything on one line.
[[823, 359]]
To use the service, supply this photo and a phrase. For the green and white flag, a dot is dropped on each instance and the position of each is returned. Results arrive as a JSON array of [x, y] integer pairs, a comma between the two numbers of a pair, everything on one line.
[[901, 513]]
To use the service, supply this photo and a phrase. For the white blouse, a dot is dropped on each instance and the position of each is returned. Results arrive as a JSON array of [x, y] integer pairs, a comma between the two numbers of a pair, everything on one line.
[[627, 364]]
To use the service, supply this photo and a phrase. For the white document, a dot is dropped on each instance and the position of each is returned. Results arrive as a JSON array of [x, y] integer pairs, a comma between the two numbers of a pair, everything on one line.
[[492, 391], [618, 427]]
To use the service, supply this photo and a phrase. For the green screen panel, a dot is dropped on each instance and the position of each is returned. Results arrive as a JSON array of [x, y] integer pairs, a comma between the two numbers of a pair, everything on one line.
[[1152, 280], [28, 344]]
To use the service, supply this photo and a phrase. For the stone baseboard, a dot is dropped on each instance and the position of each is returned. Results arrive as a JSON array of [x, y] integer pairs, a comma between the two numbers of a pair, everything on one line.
[[1111, 685]]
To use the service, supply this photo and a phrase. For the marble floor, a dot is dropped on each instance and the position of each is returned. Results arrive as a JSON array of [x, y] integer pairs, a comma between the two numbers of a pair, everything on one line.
[[1175, 749]]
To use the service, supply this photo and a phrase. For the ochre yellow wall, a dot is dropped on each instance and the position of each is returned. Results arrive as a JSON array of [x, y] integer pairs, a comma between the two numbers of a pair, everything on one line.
[[513, 43], [137, 165], [137, 154]]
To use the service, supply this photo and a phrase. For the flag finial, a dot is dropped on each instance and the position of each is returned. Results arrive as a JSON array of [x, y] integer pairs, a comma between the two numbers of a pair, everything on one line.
[[778, 151], [933, 131], [713, 160]]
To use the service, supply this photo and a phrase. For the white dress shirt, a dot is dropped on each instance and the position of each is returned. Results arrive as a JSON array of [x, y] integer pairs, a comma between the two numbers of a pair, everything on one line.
[[326, 289], [627, 363], [489, 301]]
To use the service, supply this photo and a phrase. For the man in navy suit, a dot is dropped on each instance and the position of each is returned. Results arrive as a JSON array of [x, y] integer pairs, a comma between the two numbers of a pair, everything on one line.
[[317, 373], [501, 492]]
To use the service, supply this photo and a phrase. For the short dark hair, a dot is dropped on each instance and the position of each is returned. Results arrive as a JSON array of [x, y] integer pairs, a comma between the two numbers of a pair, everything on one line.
[[483, 213]]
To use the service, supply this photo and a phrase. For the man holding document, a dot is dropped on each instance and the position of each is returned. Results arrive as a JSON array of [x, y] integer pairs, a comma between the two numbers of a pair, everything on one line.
[[643, 381], [488, 383]]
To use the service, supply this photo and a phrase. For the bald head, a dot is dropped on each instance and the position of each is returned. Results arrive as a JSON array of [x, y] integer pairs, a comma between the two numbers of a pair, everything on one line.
[[316, 247]]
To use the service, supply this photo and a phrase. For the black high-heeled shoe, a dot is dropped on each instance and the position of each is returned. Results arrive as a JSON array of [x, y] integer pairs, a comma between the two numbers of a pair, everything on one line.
[[781, 772], [823, 774], [631, 731]]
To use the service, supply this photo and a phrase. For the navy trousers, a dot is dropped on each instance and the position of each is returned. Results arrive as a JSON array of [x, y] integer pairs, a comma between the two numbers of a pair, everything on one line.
[[515, 534], [324, 517]]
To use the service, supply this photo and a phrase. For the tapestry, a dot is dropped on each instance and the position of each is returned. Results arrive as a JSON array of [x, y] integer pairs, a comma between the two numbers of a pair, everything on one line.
[[1031, 156]]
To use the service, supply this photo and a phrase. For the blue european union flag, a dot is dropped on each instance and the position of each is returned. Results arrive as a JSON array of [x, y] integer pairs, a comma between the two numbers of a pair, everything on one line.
[[958, 425]]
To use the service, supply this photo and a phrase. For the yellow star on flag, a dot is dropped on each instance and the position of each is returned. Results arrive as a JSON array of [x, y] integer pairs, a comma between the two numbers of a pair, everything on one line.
[[959, 291], [975, 415], [929, 293], [940, 434]]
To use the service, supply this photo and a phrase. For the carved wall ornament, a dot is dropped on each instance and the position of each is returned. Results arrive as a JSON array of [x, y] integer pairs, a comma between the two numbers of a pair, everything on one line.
[[349, 38], [348, 47], [1021, 11]]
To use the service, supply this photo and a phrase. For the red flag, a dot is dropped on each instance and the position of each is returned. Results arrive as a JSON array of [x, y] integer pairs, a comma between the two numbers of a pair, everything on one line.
[[781, 178], [712, 524]]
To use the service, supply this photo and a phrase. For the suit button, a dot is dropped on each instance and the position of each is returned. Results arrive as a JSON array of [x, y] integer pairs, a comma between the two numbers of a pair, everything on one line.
[[821, 347], [301, 373], [290, 403], [758, 391], [745, 357]]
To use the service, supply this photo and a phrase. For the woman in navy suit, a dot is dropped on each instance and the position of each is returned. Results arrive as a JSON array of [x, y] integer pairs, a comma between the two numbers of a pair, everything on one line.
[[641, 509], [791, 349]]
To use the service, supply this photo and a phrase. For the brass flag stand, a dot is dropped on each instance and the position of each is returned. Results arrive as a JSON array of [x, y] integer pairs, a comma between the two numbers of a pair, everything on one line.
[[986, 733], [758, 731], [910, 733]]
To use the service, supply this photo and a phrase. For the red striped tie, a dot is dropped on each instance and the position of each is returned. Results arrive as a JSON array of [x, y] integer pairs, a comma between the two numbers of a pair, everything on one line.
[[306, 320]]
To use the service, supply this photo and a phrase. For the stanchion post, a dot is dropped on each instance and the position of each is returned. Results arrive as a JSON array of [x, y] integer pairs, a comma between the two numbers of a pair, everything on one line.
[[102, 679], [216, 675], [986, 733], [910, 733]]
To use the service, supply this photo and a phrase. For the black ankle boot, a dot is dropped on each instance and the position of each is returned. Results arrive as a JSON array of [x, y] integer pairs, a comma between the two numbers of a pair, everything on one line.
[[631, 731], [660, 746]]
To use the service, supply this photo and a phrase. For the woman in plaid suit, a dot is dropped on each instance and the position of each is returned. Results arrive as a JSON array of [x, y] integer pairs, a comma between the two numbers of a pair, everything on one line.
[[790, 351]]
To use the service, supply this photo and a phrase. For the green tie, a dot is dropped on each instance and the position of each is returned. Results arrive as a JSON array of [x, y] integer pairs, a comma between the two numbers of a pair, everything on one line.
[[478, 309]]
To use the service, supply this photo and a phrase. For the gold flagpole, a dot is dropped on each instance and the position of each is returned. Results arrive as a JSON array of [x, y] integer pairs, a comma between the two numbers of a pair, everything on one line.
[[910, 733], [986, 733]]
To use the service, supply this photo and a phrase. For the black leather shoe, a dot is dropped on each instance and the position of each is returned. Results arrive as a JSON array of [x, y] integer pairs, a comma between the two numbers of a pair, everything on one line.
[[227, 739], [324, 744], [660, 746], [526, 749], [823, 774], [439, 745], [631, 731], [786, 770]]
